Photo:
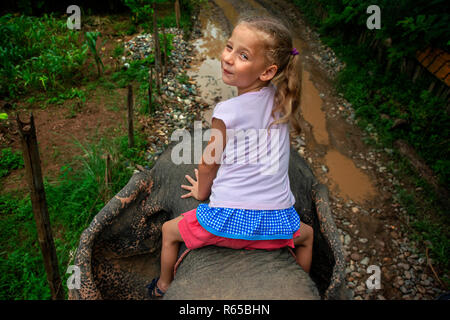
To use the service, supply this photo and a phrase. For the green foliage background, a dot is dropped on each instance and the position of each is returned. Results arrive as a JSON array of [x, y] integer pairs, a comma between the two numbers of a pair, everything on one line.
[[42, 60]]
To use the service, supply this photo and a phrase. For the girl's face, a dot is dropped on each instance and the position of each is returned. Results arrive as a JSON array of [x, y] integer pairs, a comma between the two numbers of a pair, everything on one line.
[[242, 60]]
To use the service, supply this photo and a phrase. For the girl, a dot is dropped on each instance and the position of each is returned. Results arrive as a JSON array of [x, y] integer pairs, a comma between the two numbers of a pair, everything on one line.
[[248, 208]]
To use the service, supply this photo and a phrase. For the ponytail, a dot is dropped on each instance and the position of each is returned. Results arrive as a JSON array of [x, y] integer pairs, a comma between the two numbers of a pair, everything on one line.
[[288, 94]]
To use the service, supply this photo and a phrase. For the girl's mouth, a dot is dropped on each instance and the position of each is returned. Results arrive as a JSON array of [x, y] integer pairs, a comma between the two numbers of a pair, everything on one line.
[[225, 71]]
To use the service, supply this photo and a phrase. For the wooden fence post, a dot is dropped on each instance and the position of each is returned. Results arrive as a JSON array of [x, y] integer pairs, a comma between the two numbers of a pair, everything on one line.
[[157, 50], [150, 87], [107, 176], [33, 170], [177, 13], [130, 117], [165, 50]]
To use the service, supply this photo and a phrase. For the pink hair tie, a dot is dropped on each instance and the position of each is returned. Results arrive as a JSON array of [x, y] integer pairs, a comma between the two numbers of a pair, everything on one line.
[[294, 52]]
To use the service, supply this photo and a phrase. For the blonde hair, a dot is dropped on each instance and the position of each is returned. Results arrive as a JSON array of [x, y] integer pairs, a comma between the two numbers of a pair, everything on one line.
[[278, 47]]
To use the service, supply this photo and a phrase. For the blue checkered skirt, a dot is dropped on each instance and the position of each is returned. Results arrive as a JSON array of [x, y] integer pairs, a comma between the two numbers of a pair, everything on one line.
[[248, 224]]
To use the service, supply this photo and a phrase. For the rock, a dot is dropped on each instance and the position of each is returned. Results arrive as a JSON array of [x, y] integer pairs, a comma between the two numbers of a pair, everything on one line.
[[425, 283], [347, 239], [379, 243], [355, 210], [363, 240], [399, 282], [365, 261], [421, 289], [360, 288], [404, 266], [355, 257]]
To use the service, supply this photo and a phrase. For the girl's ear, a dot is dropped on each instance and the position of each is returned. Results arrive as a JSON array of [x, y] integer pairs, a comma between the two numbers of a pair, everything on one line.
[[269, 73]]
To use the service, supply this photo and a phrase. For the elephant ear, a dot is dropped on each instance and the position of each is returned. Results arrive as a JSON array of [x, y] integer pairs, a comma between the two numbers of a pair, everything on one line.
[[226, 274]]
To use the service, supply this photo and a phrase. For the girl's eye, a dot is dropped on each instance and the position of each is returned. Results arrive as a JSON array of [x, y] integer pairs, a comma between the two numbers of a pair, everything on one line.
[[244, 56]]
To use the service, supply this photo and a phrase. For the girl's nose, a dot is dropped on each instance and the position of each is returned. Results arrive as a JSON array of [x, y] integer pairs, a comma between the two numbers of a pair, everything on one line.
[[227, 56]]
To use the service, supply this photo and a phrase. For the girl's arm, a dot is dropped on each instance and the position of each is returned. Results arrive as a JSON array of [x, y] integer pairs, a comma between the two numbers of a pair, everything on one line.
[[210, 162]]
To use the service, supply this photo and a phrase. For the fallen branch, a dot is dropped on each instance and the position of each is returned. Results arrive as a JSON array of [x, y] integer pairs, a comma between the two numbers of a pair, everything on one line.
[[422, 169], [432, 269]]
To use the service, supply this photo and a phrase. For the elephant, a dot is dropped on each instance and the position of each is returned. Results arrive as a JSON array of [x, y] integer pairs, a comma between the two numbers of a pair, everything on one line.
[[119, 252]]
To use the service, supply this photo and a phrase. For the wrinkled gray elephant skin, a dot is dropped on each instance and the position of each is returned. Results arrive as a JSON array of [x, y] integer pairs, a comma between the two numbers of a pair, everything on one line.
[[119, 252]]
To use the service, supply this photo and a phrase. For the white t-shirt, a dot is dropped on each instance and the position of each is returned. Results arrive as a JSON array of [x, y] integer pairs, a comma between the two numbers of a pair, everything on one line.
[[258, 180]]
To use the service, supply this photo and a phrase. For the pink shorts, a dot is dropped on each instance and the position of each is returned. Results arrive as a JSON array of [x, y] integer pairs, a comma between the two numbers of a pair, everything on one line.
[[195, 236]]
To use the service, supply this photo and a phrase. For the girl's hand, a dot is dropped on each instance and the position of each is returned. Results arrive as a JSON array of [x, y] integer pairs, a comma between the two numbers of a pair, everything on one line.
[[193, 189]]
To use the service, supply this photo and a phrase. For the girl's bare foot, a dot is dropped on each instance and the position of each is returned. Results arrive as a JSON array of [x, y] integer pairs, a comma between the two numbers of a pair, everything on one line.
[[162, 286]]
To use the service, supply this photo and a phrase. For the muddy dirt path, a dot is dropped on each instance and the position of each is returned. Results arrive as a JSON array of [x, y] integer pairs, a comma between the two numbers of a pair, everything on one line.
[[361, 190]]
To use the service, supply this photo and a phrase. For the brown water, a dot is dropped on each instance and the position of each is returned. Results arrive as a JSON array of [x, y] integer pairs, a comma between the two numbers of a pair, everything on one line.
[[312, 111], [229, 11], [344, 177]]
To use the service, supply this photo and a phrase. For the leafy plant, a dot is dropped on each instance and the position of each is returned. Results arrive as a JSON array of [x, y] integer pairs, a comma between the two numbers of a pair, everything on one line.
[[91, 40], [9, 161]]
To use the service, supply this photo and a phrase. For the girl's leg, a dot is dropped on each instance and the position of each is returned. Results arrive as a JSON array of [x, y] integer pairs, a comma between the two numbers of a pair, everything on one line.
[[303, 246], [171, 239]]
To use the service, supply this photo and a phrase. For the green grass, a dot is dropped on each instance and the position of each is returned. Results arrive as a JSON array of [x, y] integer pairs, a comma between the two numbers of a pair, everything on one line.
[[39, 55], [73, 200], [9, 161]]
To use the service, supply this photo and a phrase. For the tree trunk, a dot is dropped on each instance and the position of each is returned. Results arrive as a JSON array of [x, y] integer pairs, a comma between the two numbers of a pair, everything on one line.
[[388, 66], [431, 87], [417, 73], [165, 50]]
